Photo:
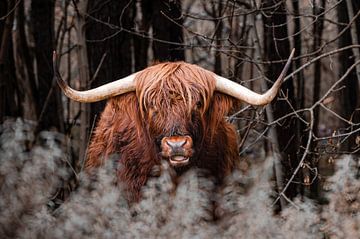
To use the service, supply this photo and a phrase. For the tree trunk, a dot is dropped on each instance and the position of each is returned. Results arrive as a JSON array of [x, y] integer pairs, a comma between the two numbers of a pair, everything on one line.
[[350, 91], [300, 94], [49, 106], [275, 28], [82, 58], [167, 26], [312, 159], [24, 67], [141, 44], [9, 93], [217, 13], [109, 51], [300, 90]]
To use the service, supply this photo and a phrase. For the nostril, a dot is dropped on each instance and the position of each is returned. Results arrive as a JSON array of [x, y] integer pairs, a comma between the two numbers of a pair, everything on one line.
[[169, 143], [181, 143]]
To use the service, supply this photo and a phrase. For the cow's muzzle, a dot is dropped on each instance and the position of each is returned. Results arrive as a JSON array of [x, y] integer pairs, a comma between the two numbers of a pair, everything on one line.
[[178, 149]]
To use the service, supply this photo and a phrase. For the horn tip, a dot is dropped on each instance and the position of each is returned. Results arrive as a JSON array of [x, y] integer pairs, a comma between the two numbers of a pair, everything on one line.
[[292, 53], [61, 83]]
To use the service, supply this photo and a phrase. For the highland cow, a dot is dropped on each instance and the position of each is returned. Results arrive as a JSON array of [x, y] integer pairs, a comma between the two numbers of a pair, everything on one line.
[[169, 111]]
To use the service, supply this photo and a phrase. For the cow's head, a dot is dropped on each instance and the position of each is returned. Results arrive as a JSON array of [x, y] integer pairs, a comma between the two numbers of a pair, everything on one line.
[[174, 101], [178, 103]]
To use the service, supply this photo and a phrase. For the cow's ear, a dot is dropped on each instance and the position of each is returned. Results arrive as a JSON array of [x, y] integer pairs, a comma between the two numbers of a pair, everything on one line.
[[221, 105], [127, 108]]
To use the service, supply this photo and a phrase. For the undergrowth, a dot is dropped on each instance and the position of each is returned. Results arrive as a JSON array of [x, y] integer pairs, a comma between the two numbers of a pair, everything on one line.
[[33, 168]]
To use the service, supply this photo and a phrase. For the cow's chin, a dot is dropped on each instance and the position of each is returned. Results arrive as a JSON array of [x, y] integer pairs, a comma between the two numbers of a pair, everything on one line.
[[179, 161]]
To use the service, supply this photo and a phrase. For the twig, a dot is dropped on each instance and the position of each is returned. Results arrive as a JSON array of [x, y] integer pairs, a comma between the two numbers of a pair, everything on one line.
[[282, 193], [98, 68], [11, 10]]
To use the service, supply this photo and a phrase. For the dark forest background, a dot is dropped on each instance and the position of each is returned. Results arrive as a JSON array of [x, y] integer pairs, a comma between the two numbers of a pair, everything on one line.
[[315, 119]]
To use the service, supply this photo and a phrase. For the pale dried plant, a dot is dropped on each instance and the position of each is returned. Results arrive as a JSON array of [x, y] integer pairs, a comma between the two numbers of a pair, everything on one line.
[[32, 169]]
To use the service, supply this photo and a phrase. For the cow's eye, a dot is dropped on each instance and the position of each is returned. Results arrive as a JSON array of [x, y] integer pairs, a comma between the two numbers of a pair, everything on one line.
[[199, 105], [152, 112]]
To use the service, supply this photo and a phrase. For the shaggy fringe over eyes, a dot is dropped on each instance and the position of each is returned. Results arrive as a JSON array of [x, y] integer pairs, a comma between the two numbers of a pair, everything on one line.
[[162, 85]]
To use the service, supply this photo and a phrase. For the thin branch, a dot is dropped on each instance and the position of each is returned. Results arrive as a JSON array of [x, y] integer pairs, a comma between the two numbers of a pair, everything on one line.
[[11, 10]]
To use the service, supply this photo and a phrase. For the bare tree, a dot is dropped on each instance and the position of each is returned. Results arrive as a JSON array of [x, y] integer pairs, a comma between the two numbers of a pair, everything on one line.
[[167, 26], [47, 95], [82, 59], [277, 47], [349, 95], [25, 76], [9, 92], [142, 41], [109, 48]]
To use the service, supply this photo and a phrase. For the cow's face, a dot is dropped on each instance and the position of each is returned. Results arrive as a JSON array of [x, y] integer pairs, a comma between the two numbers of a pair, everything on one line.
[[177, 129], [174, 103]]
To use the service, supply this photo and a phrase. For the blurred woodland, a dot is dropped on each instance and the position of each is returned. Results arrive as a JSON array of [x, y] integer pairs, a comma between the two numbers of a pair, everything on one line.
[[314, 121]]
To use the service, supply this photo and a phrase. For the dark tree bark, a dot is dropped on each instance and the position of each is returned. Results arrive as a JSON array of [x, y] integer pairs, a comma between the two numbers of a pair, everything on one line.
[[109, 51], [164, 17], [25, 51], [218, 35], [167, 26], [10, 104], [349, 95], [24, 66], [356, 8], [318, 29], [275, 28], [312, 159], [141, 44], [356, 114], [300, 95], [300, 91], [49, 106]]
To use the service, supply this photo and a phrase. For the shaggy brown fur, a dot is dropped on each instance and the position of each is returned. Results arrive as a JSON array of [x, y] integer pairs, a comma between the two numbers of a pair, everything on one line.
[[170, 99]]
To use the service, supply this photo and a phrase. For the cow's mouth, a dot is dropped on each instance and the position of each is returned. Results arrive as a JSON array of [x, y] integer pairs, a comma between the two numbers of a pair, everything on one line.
[[179, 160]]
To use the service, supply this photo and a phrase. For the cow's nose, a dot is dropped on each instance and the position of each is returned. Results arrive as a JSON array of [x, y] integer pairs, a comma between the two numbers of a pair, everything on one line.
[[176, 144]]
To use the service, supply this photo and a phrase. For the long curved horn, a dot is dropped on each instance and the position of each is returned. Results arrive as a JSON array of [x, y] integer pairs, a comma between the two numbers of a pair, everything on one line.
[[103, 92], [242, 93]]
